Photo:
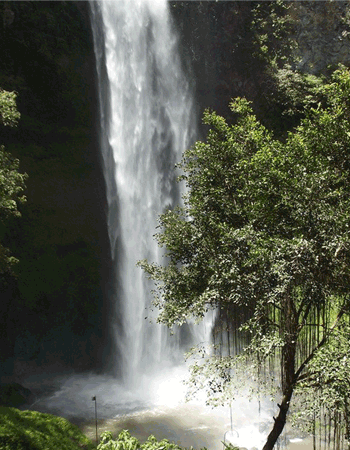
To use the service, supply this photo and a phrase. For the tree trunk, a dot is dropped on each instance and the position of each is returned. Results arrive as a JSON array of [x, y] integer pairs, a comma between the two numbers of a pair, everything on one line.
[[280, 421], [347, 422], [290, 328]]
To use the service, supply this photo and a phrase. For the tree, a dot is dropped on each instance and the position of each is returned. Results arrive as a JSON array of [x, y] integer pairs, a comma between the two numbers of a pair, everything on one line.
[[264, 227], [11, 180]]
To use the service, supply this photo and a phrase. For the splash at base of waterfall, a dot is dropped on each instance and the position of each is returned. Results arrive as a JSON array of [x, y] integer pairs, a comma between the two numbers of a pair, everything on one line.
[[70, 395], [156, 406]]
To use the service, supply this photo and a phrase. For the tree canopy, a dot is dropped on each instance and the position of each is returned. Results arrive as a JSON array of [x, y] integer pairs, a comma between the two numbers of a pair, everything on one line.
[[265, 226]]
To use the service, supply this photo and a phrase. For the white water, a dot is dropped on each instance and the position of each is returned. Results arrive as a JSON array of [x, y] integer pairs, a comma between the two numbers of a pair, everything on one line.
[[147, 121]]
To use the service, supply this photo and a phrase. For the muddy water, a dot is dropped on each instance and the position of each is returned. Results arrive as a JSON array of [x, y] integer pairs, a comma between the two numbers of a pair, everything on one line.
[[187, 425]]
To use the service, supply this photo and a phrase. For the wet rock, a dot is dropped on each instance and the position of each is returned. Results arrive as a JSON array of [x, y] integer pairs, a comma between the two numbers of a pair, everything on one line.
[[14, 394]]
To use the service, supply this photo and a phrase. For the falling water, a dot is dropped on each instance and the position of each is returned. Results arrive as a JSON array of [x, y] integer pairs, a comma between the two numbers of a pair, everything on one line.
[[146, 124]]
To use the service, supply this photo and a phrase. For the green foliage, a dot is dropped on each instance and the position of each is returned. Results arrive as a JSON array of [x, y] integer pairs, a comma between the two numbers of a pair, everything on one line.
[[297, 91], [11, 180], [8, 110], [230, 446], [274, 27], [289, 96], [11, 185], [125, 441], [32, 430]]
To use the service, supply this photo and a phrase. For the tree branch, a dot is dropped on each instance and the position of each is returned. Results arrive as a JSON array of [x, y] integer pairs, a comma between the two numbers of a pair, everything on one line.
[[303, 320]]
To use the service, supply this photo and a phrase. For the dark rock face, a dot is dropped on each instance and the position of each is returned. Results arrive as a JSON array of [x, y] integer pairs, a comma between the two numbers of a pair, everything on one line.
[[322, 33], [14, 394], [217, 40], [52, 310]]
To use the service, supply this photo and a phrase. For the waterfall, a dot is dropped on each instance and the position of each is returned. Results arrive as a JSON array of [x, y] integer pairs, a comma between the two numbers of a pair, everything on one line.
[[147, 121]]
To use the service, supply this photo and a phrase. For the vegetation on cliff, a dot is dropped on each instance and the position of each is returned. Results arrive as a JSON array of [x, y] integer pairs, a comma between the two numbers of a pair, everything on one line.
[[11, 180]]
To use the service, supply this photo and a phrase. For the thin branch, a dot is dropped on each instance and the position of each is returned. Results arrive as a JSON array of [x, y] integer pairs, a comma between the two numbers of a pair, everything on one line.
[[301, 308], [302, 323], [271, 322], [276, 306], [306, 377]]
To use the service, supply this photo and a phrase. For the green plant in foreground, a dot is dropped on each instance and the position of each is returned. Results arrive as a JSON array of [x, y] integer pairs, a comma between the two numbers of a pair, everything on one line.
[[230, 446], [125, 441], [32, 430]]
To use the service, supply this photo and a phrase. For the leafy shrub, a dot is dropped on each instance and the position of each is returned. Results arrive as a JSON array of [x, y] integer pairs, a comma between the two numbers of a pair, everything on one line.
[[125, 441], [32, 430]]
